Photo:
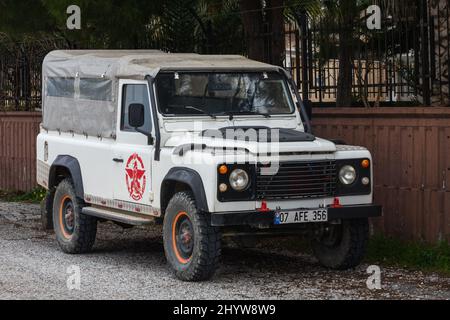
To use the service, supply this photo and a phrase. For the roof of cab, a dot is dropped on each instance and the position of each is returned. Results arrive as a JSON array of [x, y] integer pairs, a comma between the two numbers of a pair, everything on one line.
[[137, 64]]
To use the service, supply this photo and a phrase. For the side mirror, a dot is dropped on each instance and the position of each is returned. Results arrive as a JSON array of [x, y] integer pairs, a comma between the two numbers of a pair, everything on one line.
[[136, 115], [136, 119]]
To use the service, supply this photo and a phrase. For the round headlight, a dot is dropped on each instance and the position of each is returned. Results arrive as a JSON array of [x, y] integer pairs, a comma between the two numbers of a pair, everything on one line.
[[347, 175], [239, 180]]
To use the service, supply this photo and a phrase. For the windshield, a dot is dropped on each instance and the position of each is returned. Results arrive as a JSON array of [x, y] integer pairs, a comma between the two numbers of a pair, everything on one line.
[[215, 94]]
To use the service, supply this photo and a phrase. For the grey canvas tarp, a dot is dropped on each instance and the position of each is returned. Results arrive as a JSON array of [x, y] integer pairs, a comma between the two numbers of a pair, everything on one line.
[[80, 87]]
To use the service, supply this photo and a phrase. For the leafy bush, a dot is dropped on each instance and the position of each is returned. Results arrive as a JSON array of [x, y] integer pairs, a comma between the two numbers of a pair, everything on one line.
[[410, 254], [34, 196]]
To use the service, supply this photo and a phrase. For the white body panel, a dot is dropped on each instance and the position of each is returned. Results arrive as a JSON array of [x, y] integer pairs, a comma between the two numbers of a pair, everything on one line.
[[93, 154]]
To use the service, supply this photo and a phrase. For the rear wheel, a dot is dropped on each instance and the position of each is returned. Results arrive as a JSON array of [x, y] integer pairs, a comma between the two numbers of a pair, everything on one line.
[[192, 246], [74, 231], [342, 246], [47, 210]]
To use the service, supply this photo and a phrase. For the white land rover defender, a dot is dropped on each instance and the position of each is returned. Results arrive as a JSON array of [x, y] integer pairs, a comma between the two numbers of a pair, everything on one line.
[[201, 143]]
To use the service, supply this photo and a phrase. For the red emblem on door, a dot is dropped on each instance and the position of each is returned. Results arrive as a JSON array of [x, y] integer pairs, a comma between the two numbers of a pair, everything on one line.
[[135, 177]]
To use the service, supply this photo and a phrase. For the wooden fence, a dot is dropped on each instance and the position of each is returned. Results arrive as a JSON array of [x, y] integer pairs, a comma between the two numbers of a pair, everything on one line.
[[18, 132], [410, 147], [411, 152]]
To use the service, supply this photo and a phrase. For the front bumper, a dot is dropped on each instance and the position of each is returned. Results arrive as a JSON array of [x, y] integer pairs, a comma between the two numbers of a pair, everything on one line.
[[265, 219]]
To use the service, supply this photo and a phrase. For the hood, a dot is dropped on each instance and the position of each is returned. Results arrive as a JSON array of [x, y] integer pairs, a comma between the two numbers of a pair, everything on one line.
[[254, 147]]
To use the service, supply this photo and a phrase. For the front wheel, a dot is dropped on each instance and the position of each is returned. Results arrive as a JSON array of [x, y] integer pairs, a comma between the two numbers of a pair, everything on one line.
[[192, 246], [342, 246]]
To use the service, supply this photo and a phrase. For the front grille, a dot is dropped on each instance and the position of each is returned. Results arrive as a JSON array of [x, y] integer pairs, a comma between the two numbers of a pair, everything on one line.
[[298, 180]]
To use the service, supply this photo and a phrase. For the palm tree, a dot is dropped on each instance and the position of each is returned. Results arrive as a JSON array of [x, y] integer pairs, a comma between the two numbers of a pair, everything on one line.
[[341, 29], [203, 26]]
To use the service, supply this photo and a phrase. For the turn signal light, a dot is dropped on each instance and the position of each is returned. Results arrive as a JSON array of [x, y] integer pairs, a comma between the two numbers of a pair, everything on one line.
[[365, 163], [223, 169]]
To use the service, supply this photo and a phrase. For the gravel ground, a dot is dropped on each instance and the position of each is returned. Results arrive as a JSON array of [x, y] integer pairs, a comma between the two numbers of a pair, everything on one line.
[[130, 264]]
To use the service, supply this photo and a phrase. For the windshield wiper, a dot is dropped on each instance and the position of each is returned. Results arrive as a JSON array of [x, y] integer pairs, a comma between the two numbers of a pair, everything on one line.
[[201, 111], [264, 114], [227, 113]]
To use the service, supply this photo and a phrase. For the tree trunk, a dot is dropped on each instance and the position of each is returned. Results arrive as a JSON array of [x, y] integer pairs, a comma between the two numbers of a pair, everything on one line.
[[252, 21], [264, 35], [348, 12], [276, 24], [345, 78]]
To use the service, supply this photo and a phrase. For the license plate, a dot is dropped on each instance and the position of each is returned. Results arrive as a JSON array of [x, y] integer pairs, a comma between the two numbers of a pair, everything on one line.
[[301, 216]]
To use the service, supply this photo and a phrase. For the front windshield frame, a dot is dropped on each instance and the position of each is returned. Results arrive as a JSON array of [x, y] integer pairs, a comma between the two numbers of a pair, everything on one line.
[[286, 87]]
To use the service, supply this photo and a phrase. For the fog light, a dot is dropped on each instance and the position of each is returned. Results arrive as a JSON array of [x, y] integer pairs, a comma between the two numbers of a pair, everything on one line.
[[365, 181], [223, 187]]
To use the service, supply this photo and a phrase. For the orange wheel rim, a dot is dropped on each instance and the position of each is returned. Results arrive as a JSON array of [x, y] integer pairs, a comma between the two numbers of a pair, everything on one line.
[[178, 255], [61, 217]]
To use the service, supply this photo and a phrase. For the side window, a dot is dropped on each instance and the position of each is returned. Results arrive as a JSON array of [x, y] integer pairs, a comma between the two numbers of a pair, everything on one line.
[[135, 93], [61, 87], [96, 89]]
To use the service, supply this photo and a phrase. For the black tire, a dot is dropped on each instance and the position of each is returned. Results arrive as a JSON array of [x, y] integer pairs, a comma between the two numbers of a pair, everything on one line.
[[196, 257], [344, 245], [75, 232]]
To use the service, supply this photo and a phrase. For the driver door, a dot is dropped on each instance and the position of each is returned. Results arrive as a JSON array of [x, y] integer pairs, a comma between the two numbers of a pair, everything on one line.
[[132, 168]]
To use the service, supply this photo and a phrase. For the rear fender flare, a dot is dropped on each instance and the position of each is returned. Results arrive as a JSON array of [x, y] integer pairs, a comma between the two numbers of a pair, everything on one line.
[[72, 165]]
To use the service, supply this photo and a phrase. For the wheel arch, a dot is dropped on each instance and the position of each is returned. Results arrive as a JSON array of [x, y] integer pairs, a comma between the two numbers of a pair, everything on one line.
[[66, 166], [181, 179]]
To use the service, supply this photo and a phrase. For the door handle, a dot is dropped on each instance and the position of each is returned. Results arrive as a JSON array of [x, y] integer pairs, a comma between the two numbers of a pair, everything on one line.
[[118, 160]]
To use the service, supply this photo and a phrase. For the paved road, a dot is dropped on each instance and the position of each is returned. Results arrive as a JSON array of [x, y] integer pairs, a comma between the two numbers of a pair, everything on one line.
[[130, 264]]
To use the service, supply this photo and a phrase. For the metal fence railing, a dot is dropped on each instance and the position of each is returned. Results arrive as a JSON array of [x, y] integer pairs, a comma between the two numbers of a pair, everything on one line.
[[20, 72], [404, 62], [21, 69]]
